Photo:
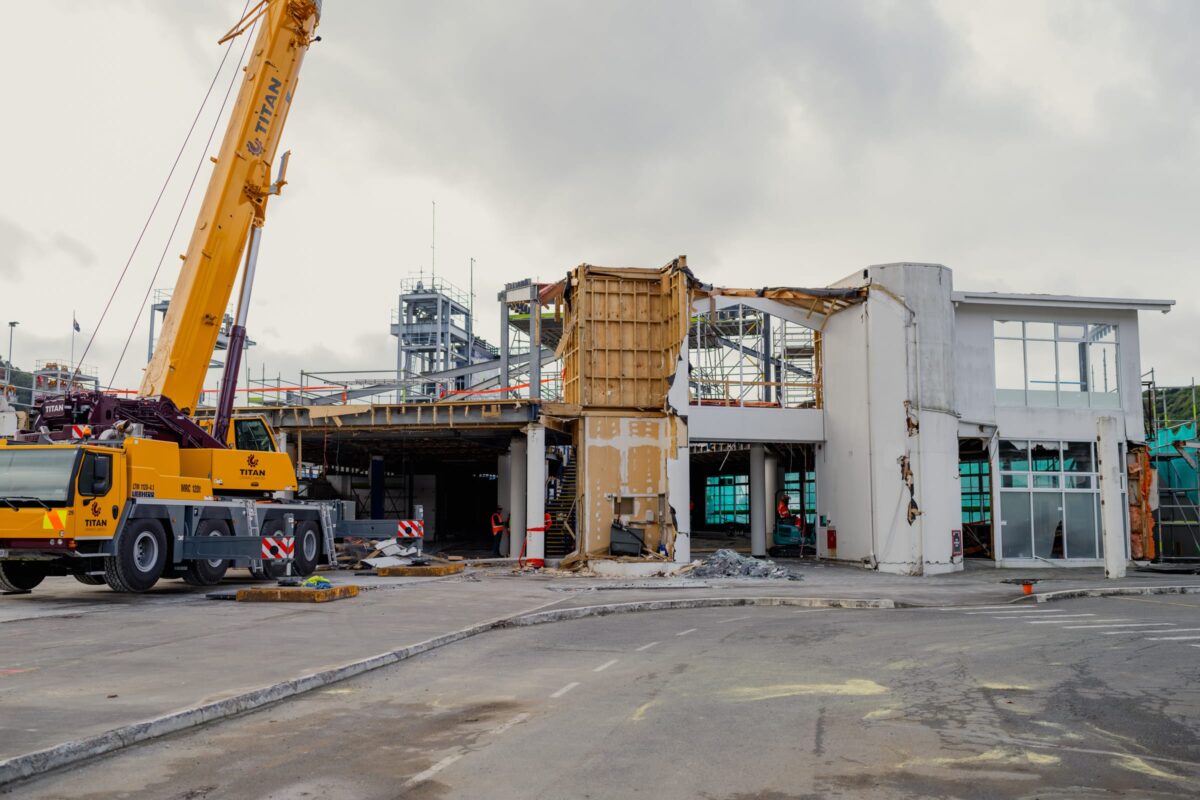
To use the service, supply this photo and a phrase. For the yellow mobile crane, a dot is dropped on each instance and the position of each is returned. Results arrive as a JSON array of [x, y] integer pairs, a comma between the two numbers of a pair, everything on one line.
[[125, 491]]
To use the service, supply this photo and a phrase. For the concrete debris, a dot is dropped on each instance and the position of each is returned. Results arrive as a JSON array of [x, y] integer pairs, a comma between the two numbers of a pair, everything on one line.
[[728, 564]]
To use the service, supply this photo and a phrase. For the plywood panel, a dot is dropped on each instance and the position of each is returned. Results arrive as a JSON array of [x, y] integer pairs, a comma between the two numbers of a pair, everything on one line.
[[622, 334]]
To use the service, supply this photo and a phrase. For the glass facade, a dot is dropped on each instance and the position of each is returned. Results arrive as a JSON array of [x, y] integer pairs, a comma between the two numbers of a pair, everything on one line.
[[1064, 365], [727, 500], [1049, 500]]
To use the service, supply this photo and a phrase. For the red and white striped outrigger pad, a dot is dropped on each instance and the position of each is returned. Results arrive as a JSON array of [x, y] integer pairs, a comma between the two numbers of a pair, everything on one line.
[[410, 529], [278, 547]]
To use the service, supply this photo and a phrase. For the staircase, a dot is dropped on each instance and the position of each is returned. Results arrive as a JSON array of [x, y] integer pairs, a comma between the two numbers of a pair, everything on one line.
[[560, 509]]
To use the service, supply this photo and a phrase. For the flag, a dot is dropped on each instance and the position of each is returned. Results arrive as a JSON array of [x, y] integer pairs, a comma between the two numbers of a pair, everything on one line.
[[75, 323]]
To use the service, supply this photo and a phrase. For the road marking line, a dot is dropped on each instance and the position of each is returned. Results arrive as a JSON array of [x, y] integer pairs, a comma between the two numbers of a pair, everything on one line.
[[1173, 630], [434, 770], [517, 720], [1171, 638], [734, 619], [689, 630], [979, 608], [1121, 625], [1024, 611], [606, 665], [646, 647], [1062, 618], [564, 690], [805, 611]]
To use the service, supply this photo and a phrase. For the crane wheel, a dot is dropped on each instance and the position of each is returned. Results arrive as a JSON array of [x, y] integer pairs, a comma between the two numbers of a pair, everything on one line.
[[89, 580], [207, 572], [20, 576], [308, 549], [139, 555]]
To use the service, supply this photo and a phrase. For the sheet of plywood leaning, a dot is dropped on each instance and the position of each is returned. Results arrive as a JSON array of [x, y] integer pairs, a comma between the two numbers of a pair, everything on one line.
[[623, 333]]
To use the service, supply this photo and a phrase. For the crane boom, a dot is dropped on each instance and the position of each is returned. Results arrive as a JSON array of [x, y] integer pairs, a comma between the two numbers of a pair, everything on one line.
[[234, 201]]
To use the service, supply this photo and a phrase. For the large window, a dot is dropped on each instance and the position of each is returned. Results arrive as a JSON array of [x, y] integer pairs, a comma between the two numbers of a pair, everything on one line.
[[1068, 365], [1049, 500], [727, 500], [975, 484]]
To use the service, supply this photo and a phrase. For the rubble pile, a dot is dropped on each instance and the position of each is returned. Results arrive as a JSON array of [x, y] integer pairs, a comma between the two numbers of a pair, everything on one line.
[[728, 564]]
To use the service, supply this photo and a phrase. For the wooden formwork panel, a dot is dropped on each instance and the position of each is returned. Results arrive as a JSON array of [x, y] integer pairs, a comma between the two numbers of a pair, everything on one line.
[[623, 334]]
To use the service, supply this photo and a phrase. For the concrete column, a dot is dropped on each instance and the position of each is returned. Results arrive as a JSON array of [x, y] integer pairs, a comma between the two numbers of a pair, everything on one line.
[[1109, 433], [516, 496], [503, 490], [535, 494], [535, 346], [772, 483], [504, 378], [758, 506]]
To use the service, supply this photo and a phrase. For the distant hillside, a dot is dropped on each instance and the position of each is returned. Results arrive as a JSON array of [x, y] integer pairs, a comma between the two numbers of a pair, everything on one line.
[[1177, 401]]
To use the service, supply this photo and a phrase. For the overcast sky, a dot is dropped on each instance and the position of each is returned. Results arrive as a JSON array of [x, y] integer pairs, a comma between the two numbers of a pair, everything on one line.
[[1032, 147]]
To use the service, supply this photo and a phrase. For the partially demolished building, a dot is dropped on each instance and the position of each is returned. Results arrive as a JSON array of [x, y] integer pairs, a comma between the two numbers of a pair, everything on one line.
[[897, 421]]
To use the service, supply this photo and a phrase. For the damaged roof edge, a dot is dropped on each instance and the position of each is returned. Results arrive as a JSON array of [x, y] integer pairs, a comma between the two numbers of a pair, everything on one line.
[[1063, 301]]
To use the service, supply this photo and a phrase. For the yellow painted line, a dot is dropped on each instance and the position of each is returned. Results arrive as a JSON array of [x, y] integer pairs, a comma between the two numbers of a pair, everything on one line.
[[851, 688], [640, 714]]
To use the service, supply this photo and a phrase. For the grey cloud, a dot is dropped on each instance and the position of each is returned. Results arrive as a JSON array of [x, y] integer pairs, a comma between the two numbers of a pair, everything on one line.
[[758, 137], [15, 244]]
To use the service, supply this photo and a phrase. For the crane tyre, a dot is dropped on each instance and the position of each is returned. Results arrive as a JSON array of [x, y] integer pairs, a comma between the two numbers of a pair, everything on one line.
[[20, 576], [139, 556], [89, 580], [207, 572], [274, 568], [308, 549]]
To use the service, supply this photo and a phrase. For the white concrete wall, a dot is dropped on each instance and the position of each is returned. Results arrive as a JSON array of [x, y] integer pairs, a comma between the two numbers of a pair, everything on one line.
[[727, 424], [884, 360]]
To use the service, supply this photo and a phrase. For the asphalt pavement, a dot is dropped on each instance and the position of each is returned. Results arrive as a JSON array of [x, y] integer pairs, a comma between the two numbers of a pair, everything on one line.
[[1082, 698]]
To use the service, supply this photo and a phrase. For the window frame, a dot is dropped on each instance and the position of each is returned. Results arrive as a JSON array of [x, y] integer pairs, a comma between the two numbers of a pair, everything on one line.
[[1108, 336]]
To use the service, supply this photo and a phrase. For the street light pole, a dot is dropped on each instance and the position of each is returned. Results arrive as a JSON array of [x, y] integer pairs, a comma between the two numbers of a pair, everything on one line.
[[8, 368]]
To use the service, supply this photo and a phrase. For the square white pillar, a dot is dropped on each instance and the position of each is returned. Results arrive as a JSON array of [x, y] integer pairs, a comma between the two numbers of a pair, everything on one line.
[[758, 505], [1109, 433], [516, 496], [535, 495]]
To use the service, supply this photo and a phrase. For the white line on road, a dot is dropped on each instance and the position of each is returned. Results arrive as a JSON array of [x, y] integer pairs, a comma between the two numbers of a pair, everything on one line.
[[1173, 630], [1171, 638], [685, 633], [1024, 611], [645, 647], [606, 665], [434, 770], [1120, 625], [1061, 618], [564, 690], [734, 619], [978, 608], [804, 611], [517, 720]]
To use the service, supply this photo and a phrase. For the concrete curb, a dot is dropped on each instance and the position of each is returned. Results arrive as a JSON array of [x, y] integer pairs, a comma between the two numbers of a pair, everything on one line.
[[1114, 591], [581, 612], [30, 765]]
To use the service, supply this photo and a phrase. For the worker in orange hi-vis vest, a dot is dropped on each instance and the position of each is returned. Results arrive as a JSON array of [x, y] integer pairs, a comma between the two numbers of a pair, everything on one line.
[[497, 530], [782, 509]]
